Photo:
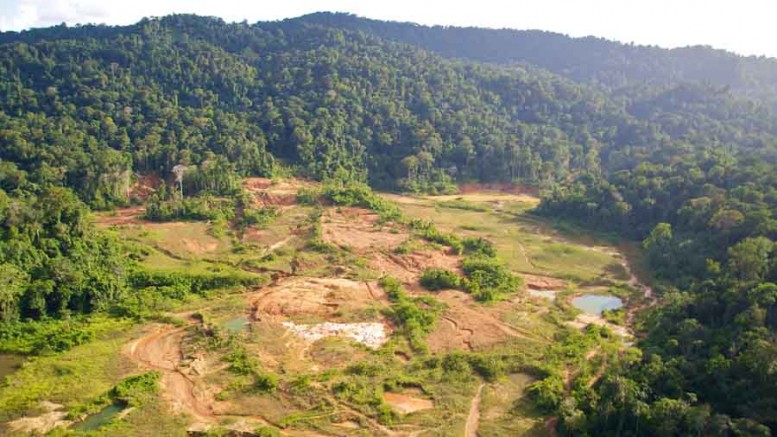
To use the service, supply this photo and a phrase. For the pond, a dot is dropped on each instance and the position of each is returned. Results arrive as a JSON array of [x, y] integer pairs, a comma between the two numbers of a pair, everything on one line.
[[9, 363], [596, 303], [237, 324], [95, 421]]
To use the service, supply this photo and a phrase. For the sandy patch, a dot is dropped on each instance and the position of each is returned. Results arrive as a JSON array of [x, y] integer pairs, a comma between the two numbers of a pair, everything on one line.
[[197, 246], [406, 404], [53, 417]]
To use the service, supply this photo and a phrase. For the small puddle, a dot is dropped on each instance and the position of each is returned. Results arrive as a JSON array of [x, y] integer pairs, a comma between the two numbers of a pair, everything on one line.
[[545, 294], [237, 324], [9, 363], [95, 421], [597, 303]]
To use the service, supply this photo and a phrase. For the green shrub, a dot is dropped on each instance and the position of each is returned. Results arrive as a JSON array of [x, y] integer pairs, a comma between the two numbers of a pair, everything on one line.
[[440, 279], [479, 246], [46, 336], [258, 218], [308, 196], [352, 194], [240, 362], [137, 390], [266, 382], [429, 232], [393, 288], [414, 316], [267, 431], [616, 316], [547, 393], [488, 278], [463, 204], [195, 208]]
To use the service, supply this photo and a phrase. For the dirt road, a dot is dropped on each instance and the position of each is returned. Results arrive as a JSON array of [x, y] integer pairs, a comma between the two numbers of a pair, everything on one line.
[[161, 350], [473, 420]]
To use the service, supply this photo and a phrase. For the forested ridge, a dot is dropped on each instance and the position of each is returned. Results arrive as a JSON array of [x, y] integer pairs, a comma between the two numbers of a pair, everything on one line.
[[679, 156]]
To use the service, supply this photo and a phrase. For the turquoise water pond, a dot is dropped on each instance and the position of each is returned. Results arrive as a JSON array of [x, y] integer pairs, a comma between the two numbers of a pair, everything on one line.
[[96, 420], [596, 303], [237, 324]]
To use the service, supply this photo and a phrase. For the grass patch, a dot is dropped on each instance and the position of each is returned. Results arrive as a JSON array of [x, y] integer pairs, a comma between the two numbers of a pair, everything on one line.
[[70, 378]]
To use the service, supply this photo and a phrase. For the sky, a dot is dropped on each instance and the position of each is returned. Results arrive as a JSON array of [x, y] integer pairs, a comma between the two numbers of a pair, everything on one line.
[[747, 27]]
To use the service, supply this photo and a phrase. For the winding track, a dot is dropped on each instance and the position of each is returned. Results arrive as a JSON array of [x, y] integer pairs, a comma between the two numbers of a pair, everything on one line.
[[160, 350], [473, 420]]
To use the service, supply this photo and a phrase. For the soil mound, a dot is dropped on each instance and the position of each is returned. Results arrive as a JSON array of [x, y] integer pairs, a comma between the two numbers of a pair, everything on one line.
[[408, 268], [321, 298], [358, 229], [267, 192]]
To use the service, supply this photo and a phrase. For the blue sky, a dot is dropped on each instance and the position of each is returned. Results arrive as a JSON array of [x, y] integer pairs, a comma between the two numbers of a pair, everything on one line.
[[744, 26]]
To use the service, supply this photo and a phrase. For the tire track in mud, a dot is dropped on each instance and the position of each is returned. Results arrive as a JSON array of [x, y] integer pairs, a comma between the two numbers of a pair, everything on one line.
[[466, 339], [526, 256], [161, 351]]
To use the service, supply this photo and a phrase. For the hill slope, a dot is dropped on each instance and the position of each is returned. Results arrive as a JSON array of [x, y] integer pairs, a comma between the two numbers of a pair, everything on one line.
[[589, 59], [97, 103]]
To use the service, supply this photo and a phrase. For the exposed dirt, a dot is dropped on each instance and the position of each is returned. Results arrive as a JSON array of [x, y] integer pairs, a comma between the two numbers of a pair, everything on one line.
[[465, 327], [358, 229], [122, 217], [323, 298], [281, 194], [535, 282], [348, 424], [407, 404], [408, 268], [501, 187], [473, 419], [144, 186], [53, 417], [161, 350], [199, 247]]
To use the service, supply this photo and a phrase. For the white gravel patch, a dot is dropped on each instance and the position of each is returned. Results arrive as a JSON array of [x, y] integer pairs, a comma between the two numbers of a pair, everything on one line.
[[372, 335]]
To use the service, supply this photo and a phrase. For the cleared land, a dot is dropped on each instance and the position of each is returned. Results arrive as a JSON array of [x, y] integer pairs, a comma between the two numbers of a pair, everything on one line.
[[300, 353]]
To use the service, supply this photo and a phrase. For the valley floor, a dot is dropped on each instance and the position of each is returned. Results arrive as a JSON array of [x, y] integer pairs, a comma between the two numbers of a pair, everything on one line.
[[324, 355]]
